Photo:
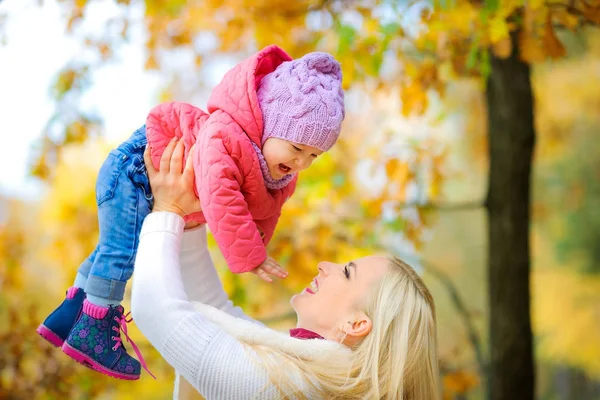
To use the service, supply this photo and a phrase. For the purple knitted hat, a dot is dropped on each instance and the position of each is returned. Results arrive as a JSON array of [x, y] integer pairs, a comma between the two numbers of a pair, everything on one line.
[[302, 101]]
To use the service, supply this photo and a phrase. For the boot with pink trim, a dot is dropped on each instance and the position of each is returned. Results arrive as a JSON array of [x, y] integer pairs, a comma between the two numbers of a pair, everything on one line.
[[95, 341], [58, 324]]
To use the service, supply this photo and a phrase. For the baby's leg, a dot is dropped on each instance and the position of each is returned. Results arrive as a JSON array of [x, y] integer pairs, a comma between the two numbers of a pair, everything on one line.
[[123, 171], [124, 199], [84, 270], [56, 327]]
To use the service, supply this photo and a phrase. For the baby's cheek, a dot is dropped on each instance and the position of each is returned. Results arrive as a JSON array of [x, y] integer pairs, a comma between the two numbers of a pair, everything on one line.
[[271, 157]]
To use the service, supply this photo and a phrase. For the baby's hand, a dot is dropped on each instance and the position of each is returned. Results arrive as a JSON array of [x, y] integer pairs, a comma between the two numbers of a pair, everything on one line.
[[269, 267]]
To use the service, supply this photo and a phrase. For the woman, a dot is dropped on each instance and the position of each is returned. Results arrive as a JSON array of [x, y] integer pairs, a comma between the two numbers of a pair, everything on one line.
[[366, 329]]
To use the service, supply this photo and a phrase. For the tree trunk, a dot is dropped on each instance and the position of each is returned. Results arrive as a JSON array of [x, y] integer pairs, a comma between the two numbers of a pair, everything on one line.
[[511, 143]]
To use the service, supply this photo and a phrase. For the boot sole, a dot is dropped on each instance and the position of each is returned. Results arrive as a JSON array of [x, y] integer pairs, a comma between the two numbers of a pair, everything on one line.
[[49, 336], [87, 361]]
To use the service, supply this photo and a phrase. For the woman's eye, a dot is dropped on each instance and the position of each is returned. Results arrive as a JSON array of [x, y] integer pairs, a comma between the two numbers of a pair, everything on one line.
[[346, 272]]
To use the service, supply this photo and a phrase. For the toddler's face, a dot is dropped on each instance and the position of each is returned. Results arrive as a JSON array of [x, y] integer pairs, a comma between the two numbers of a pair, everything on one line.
[[285, 157]]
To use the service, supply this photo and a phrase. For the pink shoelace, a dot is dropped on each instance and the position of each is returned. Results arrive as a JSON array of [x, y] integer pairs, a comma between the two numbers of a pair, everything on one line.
[[123, 321]]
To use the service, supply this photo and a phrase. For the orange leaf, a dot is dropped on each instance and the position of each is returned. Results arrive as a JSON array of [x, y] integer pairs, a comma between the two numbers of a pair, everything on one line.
[[567, 19], [531, 44], [591, 13], [198, 60], [391, 166], [553, 46], [503, 48], [532, 48], [151, 62], [460, 381], [414, 98]]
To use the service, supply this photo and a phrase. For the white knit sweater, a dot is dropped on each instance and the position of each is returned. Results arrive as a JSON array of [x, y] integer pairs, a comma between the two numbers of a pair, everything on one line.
[[200, 342]]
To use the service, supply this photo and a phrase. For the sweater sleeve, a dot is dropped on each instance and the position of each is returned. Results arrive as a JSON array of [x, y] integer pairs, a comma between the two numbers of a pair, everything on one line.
[[200, 279], [216, 364]]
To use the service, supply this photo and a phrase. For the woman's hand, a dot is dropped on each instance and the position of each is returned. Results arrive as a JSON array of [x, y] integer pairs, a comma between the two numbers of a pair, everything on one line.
[[172, 187]]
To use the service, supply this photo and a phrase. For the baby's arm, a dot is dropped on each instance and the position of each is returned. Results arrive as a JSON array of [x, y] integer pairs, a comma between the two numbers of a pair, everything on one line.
[[171, 119]]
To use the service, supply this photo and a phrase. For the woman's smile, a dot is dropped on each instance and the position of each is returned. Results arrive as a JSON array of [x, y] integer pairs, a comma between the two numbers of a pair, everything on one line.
[[314, 287]]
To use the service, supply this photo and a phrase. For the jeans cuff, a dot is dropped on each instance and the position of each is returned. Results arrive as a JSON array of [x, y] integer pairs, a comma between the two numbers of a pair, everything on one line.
[[108, 289]]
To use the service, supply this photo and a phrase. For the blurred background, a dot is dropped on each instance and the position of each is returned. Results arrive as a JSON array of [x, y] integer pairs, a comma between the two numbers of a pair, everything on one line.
[[410, 175]]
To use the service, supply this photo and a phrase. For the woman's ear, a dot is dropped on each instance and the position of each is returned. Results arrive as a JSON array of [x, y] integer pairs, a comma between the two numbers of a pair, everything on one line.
[[359, 327]]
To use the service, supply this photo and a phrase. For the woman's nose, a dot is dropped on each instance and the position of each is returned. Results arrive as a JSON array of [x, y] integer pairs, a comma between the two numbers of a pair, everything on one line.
[[325, 267]]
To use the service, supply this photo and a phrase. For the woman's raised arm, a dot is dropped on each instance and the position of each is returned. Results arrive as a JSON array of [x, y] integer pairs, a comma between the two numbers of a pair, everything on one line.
[[200, 279], [216, 364]]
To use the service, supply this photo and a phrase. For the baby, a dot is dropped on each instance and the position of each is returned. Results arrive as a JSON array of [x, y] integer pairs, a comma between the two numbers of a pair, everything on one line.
[[268, 119]]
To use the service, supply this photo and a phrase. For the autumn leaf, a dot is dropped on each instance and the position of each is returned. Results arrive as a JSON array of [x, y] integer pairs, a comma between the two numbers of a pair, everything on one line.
[[414, 98], [553, 46], [567, 19], [502, 48], [460, 382], [591, 12], [498, 29]]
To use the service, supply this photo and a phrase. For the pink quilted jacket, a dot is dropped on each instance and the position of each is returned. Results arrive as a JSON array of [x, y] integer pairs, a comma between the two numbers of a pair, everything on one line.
[[229, 181]]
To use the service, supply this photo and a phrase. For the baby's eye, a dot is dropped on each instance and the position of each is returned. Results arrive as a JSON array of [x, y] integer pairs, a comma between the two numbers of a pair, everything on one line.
[[296, 148]]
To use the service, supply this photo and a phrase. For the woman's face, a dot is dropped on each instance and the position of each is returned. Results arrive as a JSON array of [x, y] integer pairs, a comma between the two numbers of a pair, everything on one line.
[[331, 303]]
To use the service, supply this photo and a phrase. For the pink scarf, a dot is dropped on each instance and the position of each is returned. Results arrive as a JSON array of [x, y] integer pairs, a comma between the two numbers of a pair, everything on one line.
[[301, 333]]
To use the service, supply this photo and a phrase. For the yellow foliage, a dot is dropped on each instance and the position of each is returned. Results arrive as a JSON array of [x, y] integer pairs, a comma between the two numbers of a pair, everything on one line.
[[563, 100], [498, 29], [459, 32], [331, 217], [32, 368], [458, 382], [566, 317], [69, 214]]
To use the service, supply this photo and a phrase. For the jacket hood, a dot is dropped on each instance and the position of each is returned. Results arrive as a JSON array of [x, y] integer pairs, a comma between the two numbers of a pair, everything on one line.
[[236, 93]]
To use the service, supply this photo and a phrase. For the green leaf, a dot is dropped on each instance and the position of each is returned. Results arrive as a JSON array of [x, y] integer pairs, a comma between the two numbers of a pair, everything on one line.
[[442, 4], [396, 225], [484, 66], [338, 180], [391, 29], [238, 295], [473, 53], [347, 35], [491, 5], [173, 7]]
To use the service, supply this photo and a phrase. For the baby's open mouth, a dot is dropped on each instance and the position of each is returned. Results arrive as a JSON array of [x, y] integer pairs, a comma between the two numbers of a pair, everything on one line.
[[284, 168]]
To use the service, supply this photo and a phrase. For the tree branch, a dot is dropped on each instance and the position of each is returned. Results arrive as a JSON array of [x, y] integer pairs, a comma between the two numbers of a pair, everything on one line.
[[461, 308], [459, 206]]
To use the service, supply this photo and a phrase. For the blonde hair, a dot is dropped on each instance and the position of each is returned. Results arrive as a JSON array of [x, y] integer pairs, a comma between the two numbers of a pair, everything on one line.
[[397, 360]]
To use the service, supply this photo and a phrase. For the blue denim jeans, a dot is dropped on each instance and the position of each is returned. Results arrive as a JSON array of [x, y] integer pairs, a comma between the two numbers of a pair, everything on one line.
[[124, 199]]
